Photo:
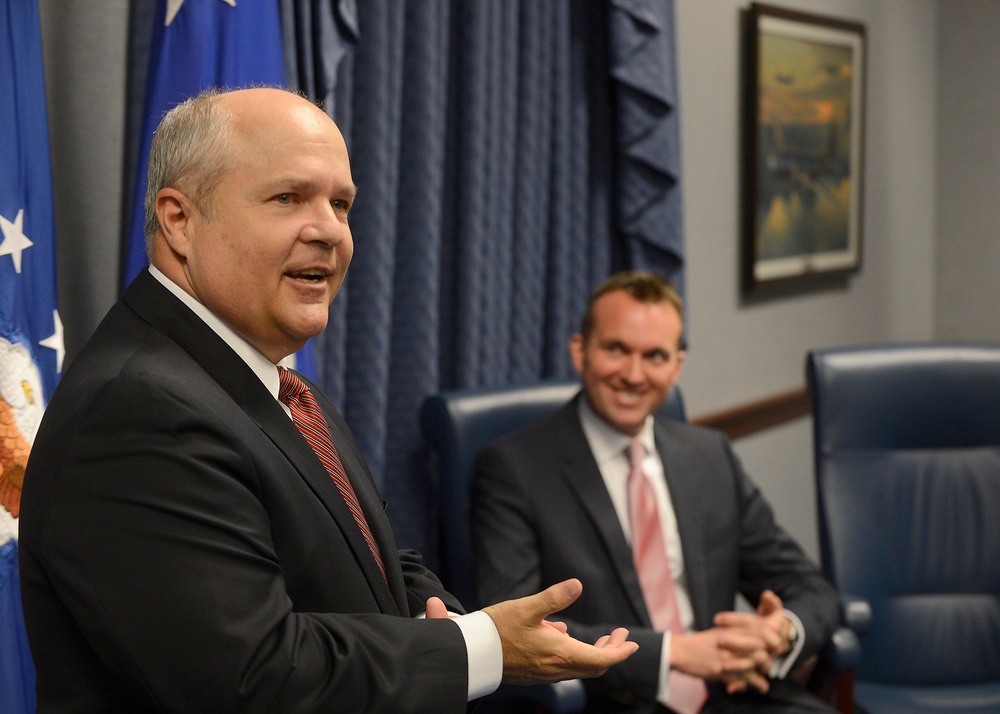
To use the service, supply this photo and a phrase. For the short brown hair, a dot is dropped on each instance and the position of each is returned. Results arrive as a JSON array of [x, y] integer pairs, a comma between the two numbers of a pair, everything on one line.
[[642, 286]]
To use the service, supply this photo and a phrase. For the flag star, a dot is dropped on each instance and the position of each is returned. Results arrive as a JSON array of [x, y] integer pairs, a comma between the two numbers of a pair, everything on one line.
[[55, 341], [14, 240], [173, 6]]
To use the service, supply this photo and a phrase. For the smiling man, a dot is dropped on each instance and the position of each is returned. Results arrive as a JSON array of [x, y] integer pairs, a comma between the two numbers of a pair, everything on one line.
[[199, 531], [658, 519]]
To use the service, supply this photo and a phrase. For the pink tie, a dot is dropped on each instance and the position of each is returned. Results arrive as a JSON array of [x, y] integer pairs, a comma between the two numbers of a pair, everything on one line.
[[309, 419], [687, 693]]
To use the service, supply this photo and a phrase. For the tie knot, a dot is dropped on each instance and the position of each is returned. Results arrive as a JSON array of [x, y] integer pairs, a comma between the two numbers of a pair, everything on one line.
[[636, 452], [290, 386]]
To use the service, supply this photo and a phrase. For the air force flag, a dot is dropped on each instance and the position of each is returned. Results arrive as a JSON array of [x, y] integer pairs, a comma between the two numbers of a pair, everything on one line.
[[31, 336], [31, 342]]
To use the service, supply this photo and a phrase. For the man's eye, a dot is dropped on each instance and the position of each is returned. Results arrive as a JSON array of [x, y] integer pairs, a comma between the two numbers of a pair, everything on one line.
[[339, 204], [283, 198]]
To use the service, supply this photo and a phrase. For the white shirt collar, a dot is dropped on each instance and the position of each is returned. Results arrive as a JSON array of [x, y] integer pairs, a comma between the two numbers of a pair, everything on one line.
[[606, 442], [256, 361]]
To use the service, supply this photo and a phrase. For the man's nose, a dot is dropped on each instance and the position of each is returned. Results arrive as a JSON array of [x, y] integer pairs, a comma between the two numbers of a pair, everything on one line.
[[325, 224], [633, 371]]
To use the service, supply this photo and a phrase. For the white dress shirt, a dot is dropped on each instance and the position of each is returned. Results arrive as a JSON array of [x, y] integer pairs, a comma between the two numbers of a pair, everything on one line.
[[609, 446]]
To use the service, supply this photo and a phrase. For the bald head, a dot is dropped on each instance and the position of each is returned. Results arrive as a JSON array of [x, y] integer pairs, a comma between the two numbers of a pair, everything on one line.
[[253, 111], [198, 141]]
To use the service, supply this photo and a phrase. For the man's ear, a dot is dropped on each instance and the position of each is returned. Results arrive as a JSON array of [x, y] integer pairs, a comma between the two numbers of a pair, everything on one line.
[[681, 354], [174, 211], [577, 343]]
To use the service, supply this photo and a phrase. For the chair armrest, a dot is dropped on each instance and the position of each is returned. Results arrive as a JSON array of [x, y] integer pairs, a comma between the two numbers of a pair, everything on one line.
[[855, 613], [833, 677], [565, 696], [843, 651]]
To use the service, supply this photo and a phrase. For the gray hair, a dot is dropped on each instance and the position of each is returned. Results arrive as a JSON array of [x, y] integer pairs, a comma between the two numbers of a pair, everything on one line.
[[191, 151]]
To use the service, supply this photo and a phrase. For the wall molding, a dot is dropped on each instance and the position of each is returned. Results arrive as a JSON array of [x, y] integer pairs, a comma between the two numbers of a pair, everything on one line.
[[762, 414]]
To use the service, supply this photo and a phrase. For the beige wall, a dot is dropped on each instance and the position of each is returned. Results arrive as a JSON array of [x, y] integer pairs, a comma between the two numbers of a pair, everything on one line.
[[84, 46], [968, 159], [745, 350]]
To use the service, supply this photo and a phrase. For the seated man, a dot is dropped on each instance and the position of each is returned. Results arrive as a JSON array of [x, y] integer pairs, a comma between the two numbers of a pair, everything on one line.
[[659, 521]]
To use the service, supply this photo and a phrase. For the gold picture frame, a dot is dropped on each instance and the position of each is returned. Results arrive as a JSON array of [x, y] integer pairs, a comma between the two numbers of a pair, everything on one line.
[[803, 136]]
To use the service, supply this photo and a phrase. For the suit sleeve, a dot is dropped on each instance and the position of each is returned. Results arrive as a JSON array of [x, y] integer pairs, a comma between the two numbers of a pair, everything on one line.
[[157, 539], [771, 559], [422, 584]]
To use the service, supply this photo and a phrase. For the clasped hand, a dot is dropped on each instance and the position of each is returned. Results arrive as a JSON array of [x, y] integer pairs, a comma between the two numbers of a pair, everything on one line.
[[537, 650], [739, 650]]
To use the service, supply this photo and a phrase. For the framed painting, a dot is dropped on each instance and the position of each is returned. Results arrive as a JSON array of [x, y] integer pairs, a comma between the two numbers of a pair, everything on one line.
[[803, 133]]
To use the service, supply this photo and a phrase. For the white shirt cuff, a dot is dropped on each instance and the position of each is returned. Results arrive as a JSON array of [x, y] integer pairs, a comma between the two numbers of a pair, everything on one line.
[[663, 690], [783, 665], [482, 641]]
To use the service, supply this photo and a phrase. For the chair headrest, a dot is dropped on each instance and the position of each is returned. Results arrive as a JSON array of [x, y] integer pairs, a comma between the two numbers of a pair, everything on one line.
[[930, 395]]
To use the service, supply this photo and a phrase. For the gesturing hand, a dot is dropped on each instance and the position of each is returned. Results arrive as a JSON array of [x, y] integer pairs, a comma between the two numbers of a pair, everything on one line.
[[536, 650]]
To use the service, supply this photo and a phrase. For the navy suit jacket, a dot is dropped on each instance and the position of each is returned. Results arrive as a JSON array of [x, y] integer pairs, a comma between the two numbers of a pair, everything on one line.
[[183, 549], [541, 513]]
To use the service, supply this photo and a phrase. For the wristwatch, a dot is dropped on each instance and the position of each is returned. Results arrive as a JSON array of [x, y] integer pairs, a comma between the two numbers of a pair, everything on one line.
[[793, 635]]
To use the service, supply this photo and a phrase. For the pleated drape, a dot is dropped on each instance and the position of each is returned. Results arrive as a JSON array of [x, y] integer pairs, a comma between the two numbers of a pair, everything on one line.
[[480, 225], [642, 63]]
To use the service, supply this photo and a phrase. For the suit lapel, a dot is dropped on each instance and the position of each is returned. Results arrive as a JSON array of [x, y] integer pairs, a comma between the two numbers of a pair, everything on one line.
[[371, 504], [682, 482], [156, 305], [284, 434], [584, 480]]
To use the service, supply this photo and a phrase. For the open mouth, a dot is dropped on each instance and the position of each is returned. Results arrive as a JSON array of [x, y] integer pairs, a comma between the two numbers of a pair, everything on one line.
[[308, 276]]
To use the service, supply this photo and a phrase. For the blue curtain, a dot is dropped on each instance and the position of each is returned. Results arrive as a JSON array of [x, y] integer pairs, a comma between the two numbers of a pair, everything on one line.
[[509, 155], [479, 225], [491, 143]]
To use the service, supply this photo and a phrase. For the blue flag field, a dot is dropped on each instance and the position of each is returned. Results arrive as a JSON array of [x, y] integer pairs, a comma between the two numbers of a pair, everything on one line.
[[31, 339]]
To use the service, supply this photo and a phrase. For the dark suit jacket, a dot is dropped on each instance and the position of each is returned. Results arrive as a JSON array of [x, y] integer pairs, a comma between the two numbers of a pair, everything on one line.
[[183, 549], [542, 514]]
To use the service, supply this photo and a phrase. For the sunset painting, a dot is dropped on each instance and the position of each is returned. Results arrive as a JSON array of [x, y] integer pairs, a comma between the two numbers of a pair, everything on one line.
[[808, 133]]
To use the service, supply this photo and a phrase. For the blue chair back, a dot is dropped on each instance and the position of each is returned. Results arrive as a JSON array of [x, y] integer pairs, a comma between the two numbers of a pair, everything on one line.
[[907, 453]]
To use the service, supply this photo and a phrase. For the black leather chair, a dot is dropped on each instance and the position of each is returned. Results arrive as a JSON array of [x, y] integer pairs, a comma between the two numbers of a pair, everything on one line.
[[907, 449]]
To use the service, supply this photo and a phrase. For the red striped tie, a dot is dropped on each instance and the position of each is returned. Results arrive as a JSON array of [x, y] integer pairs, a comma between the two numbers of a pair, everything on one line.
[[309, 419], [687, 693]]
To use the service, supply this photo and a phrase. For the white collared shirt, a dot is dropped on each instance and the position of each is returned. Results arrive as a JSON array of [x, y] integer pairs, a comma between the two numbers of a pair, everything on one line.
[[608, 446]]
